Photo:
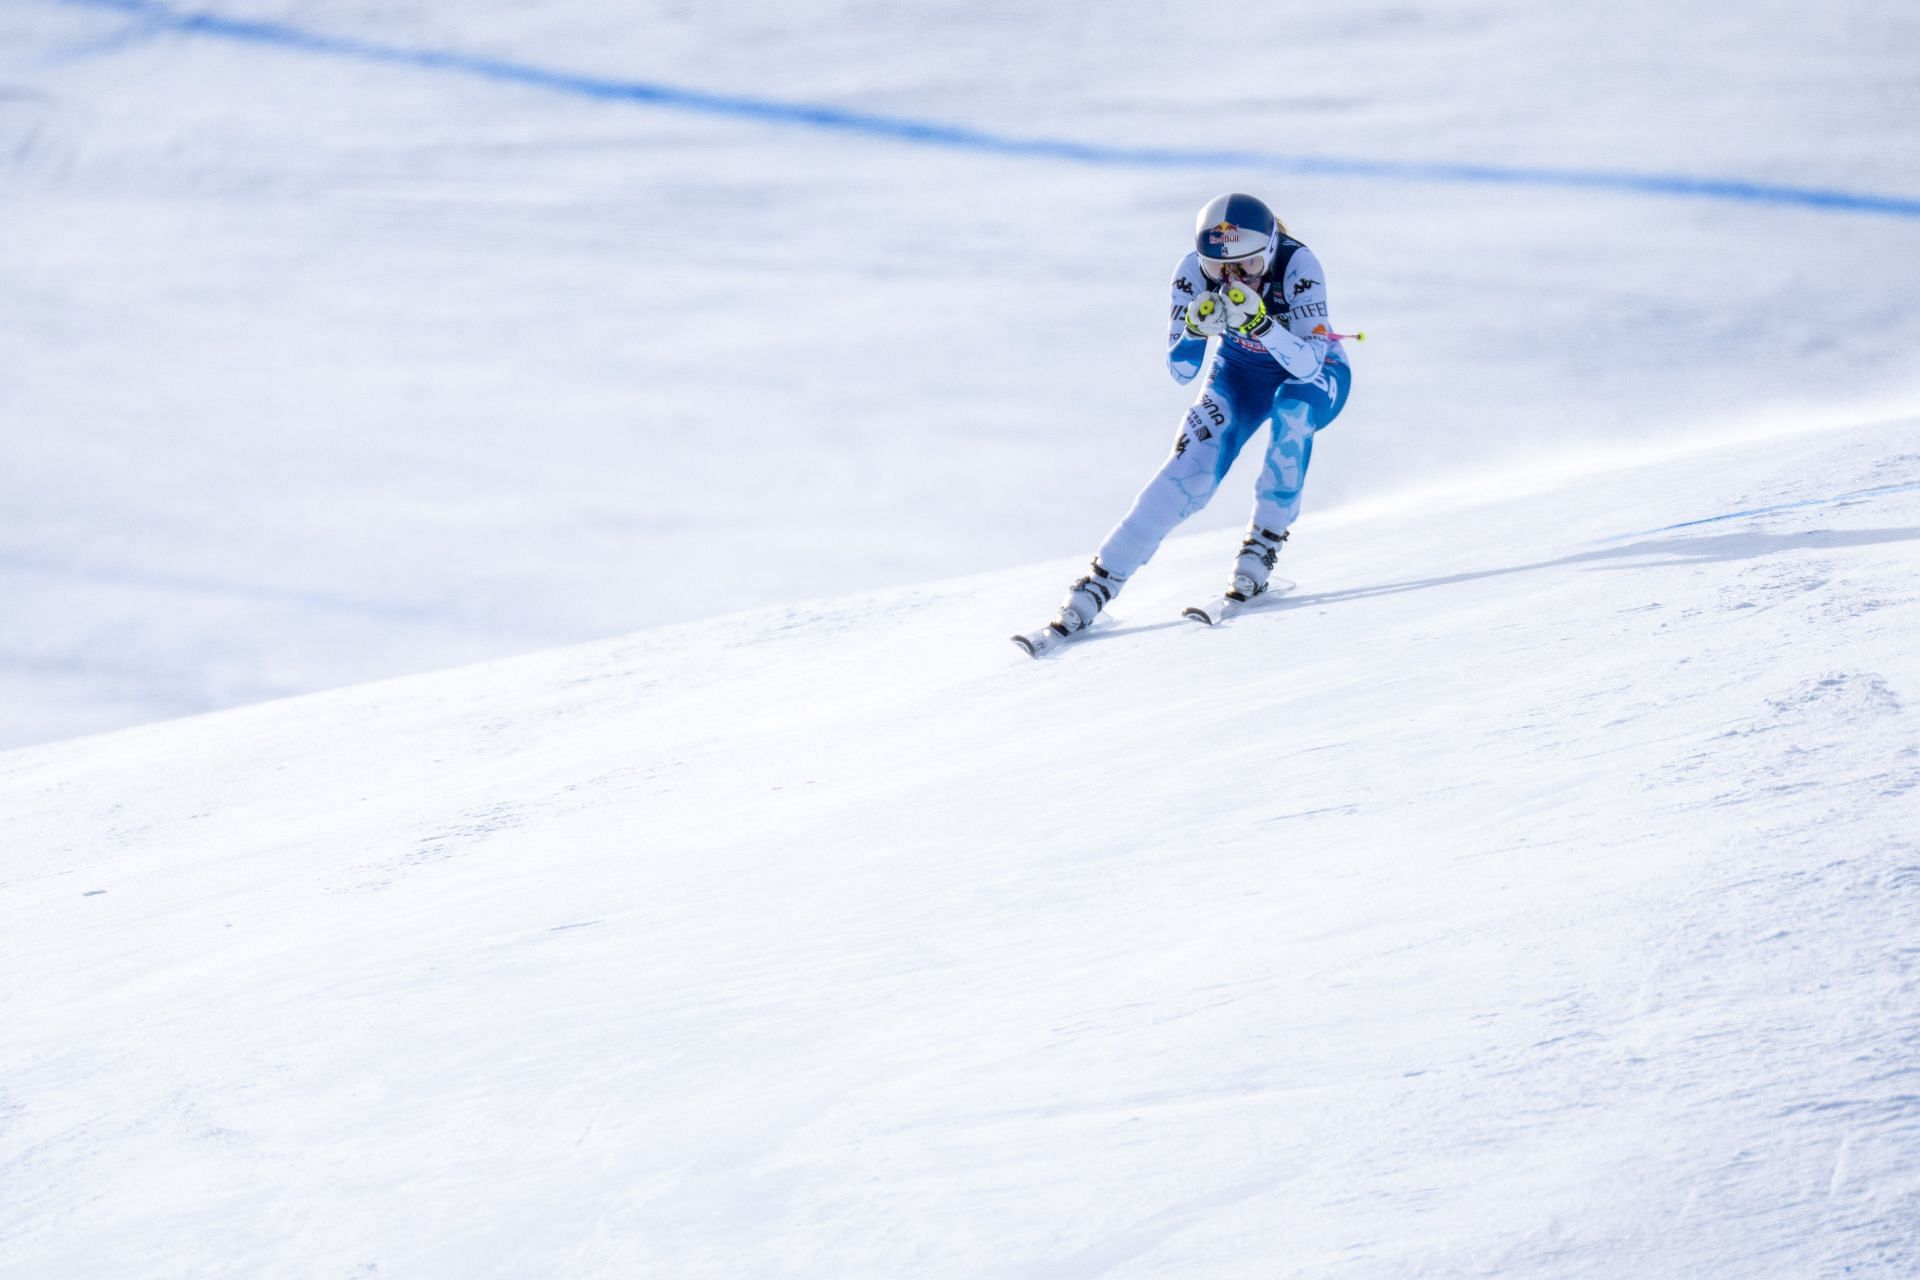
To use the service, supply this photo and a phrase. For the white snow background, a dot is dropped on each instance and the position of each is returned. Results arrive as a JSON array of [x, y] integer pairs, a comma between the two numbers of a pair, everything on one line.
[[1535, 893], [318, 368]]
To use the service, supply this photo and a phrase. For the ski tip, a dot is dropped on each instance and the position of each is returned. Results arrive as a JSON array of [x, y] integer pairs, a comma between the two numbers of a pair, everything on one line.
[[1026, 646], [1198, 615]]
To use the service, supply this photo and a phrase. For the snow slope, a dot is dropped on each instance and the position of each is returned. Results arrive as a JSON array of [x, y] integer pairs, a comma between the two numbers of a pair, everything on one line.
[[1534, 894], [317, 366]]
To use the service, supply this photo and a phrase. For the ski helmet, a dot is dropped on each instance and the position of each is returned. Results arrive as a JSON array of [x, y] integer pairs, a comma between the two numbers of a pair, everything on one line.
[[1235, 230]]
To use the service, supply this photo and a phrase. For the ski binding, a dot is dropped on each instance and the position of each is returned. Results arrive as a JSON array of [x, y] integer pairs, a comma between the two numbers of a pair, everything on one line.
[[1222, 607], [1039, 644]]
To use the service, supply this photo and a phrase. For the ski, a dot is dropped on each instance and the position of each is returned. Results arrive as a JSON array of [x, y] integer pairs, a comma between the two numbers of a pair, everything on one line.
[[1039, 644], [1222, 607]]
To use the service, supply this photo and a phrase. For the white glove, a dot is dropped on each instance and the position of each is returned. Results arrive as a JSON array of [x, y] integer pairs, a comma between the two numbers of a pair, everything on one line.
[[1206, 315], [1246, 309]]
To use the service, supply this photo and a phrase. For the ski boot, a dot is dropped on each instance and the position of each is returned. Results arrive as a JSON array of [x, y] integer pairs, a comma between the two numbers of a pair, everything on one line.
[[1254, 565], [1083, 603], [1252, 578]]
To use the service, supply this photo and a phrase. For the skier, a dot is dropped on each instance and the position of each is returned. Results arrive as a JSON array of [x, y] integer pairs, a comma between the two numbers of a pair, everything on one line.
[[1262, 294]]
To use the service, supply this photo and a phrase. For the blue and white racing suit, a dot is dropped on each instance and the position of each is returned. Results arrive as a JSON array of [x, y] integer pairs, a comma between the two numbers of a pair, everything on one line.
[[1296, 378]]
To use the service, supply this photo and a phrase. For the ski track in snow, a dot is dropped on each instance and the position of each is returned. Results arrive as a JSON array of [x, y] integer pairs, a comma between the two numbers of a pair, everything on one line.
[[1857, 495]]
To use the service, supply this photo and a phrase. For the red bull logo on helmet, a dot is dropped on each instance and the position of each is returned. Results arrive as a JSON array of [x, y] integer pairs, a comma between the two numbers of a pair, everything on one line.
[[1224, 233]]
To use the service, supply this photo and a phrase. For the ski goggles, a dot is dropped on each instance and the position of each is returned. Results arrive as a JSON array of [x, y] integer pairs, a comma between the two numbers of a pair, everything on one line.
[[1249, 266]]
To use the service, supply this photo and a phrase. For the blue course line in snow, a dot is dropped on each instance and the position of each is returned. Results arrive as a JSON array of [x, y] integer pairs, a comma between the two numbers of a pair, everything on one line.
[[163, 17], [1833, 500]]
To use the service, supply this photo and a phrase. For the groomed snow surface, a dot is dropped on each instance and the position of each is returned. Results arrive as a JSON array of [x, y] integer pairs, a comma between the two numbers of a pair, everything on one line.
[[1536, 893], [1533, 894]]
